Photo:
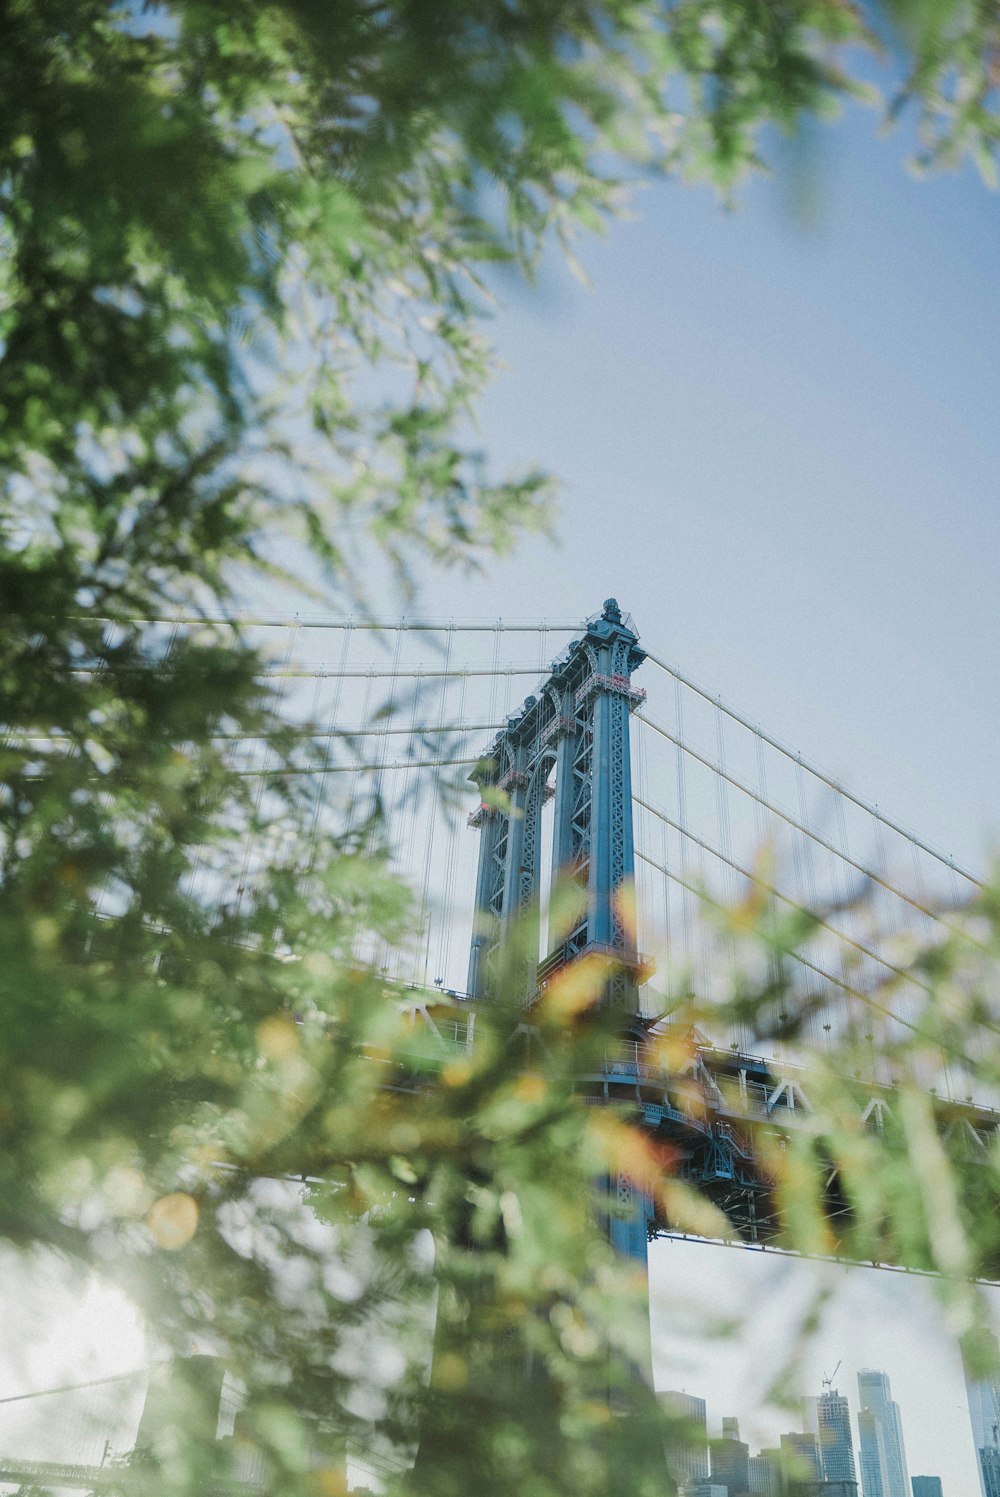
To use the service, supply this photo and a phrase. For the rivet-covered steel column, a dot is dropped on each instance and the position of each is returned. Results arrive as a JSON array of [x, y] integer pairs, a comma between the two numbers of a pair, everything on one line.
[[608, 689], [578, 725], [493, 822]]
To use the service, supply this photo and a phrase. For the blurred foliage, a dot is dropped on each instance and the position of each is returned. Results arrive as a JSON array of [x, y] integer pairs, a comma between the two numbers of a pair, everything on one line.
[[892, 1156], [244, 263]]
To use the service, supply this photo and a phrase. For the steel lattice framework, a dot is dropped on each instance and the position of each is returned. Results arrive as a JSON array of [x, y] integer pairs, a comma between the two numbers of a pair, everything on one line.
[[571, 742], [722, 1104], [689, 797], [577, 728]]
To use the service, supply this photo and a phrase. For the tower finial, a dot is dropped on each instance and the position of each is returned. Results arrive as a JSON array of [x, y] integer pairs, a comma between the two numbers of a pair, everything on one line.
[[612, 612]]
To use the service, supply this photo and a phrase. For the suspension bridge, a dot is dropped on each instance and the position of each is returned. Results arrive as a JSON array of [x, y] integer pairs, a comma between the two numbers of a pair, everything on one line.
[[397, 714], [503, 755], [508, 755]]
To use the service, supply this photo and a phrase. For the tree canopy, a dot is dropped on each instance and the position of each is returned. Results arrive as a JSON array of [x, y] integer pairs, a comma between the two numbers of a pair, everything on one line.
[[245, 263]]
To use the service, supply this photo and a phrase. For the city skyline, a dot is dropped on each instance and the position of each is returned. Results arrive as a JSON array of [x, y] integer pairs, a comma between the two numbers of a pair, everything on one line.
[[934, 1408], [825, 1445], [869, 1319]]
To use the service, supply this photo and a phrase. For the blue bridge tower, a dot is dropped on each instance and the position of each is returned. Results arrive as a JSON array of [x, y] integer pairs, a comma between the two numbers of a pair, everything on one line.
[[575, 733], [570, 743]]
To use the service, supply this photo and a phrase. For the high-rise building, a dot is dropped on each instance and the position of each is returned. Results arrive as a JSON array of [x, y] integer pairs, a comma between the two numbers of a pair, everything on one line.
[[989, 1470], [875, 1394], [983, 1391], [836, 1446], [926, 1486], [730, 1463], [871, 1456], [802, 1454], [766, 1479], [730, 1427], [687, 1458], [184, 1401]]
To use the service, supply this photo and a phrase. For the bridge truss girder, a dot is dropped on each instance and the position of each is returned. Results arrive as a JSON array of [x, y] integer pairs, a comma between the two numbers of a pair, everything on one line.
[[723, 1117]]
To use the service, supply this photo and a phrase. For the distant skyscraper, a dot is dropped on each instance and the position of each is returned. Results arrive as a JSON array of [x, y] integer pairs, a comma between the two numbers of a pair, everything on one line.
[[730, 1427], [806, 1449], [984, 1409], [926, 1486], [184, 1400], [989, 1470], [765, 1474], [874, 1469], [688, 1463], [731, 1466], [875, 1394], [836, 1447]]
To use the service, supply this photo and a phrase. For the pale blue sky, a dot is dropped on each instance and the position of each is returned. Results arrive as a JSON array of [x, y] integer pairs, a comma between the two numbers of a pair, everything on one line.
[[779, 446]]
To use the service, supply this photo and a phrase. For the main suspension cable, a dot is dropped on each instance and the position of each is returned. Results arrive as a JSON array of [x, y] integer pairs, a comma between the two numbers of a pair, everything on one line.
[[324, 672], [804, 961], [812, 769], [807, 831], [239, 620], [769, 888], [97, 1382]]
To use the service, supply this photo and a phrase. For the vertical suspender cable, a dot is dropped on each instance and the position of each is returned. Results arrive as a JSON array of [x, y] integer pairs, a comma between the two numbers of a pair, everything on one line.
[[889, 904], [810, 870], [322, 790], [918, 874], [250, 841], [804, 845], [117, 822], [201, 867], [760, 814], [729, 883], [409, 820], [856, 1017], [356, 778], [648, 935], [506, 677], [762, 817], [642, 925], [495, 676], [681, 815], [451, 859], [666, 943], [382, 740], [682, 849], [423, 952], [379, 947], [316, 788]]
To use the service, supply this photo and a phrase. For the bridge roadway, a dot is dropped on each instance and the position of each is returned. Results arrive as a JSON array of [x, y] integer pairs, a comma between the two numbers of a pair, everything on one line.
[[714, 1111], [112, 1478], [714, 1108]]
